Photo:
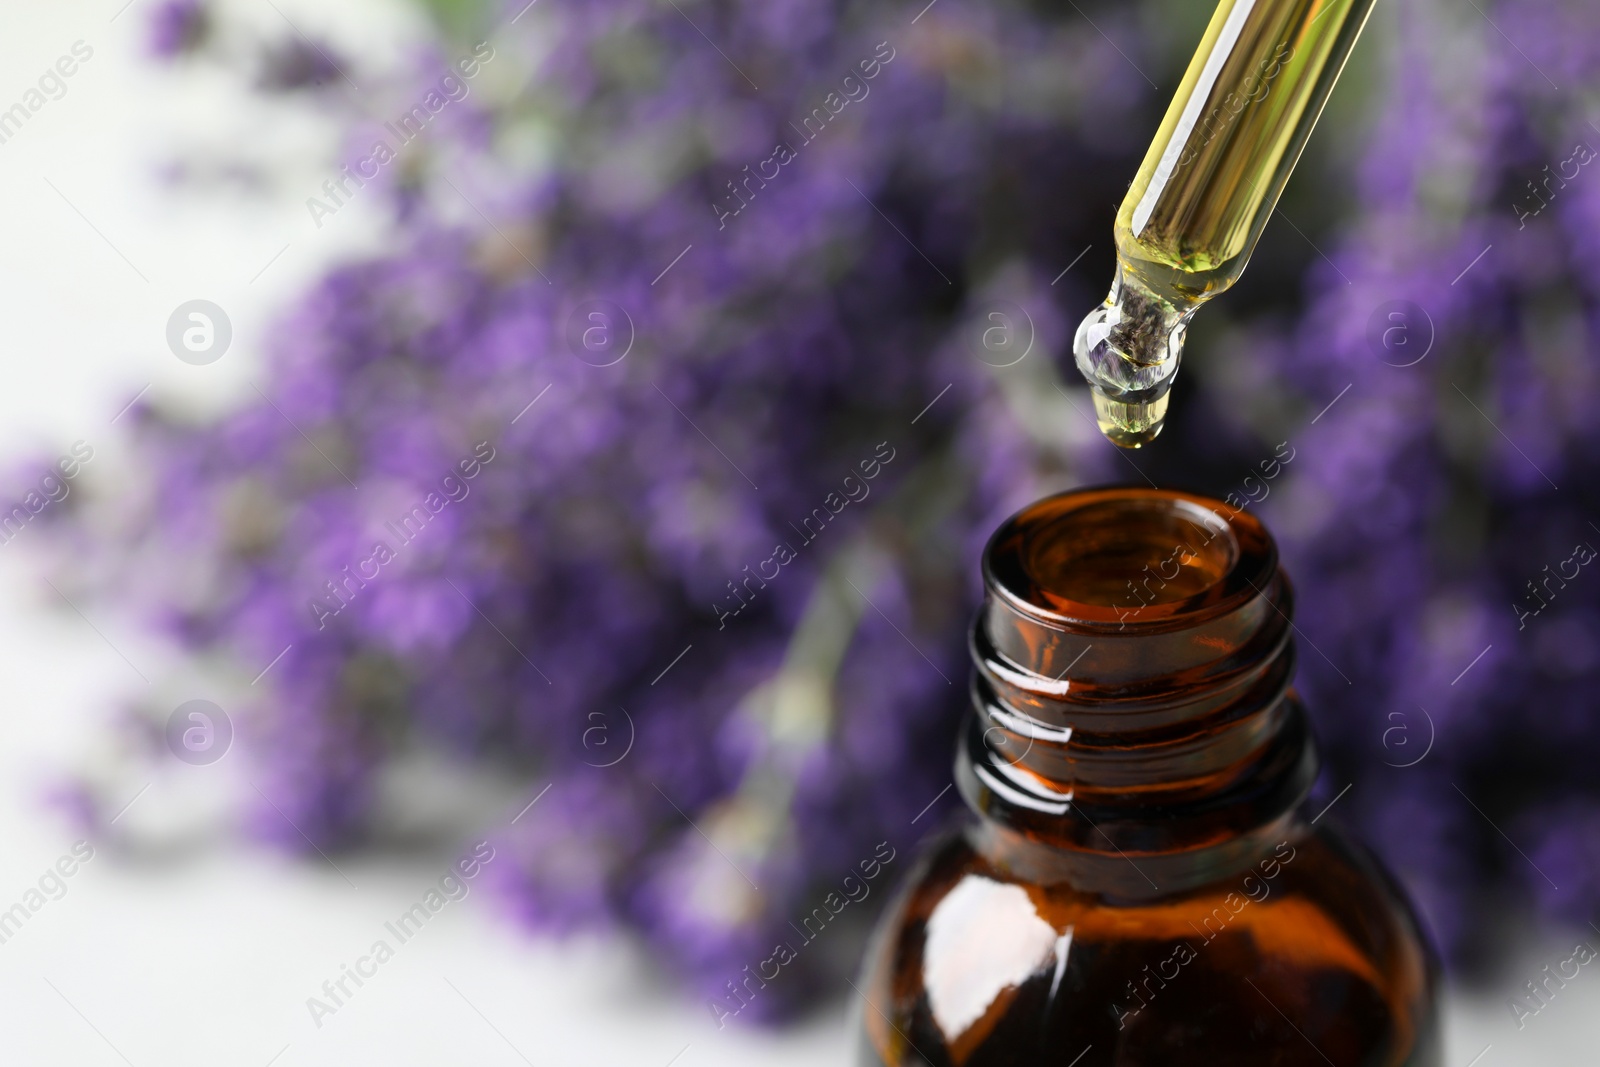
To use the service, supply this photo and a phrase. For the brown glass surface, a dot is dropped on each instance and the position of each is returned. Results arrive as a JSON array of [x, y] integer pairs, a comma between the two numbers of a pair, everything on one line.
[[1092, 554], [1140, 886]]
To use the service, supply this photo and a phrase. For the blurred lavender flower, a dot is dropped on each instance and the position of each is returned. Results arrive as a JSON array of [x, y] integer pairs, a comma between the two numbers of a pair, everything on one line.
[[178, 26], [297, 64]]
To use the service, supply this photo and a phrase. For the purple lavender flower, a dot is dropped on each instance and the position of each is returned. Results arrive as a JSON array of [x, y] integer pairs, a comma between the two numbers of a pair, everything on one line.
[[298, 64], [177, 27]]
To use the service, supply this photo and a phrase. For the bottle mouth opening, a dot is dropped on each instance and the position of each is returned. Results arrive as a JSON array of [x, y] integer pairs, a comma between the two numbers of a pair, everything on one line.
[[1127, 556]]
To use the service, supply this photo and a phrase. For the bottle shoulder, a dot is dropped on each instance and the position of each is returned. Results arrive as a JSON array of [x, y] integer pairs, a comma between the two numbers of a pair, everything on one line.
[[976, 965]]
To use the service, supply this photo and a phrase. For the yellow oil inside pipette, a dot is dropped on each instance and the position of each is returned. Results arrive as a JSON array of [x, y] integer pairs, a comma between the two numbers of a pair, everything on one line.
[[1207, 186]]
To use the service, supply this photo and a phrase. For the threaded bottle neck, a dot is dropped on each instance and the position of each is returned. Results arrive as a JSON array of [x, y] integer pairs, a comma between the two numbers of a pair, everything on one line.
[[1131, 692]]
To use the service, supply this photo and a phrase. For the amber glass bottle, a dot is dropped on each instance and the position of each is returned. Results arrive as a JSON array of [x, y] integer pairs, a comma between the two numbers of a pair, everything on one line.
[[1141, 885]]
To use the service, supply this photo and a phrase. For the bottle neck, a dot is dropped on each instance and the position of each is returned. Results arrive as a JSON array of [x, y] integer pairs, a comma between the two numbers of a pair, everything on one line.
[[1133, 730]]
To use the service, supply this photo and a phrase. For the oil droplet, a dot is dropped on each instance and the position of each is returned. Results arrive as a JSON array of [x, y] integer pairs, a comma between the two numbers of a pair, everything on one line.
[[1128, 350], [1130, 425]]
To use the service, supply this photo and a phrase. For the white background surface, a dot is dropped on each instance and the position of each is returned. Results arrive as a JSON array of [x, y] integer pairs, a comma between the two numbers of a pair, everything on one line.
[[208, 956]]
